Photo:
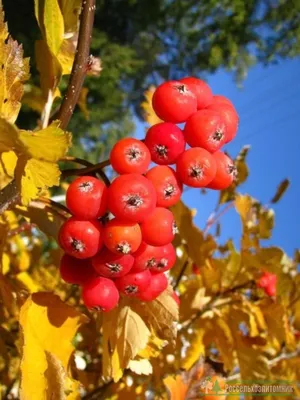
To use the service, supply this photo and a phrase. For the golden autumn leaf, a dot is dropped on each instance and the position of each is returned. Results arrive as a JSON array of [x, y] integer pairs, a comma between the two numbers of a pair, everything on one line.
[[149, 114], [8, 162], [124, 335], [70, 10], [33, 98], [51, 22], [140, 367], [48, 327], [14, 72], [196, 348], [66, 55], [177, 388]]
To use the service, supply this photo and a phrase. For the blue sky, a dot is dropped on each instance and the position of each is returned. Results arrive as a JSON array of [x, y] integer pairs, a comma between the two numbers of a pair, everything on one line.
[[269, 108]]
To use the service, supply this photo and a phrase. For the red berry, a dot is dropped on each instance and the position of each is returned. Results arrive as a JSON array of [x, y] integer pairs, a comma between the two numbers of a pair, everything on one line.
[[166, 260], [100, 294], [165, 142], [130, 156], [131, 197], [219, 99], [176, 298], [146, 256], [159, 228], [134, 283], [265, 279], [174, 102], [225, 174], [122, 237], [270, 290], [75, 271], [157, 285], [206, 129], [86, 197], [167, 185], [112, 265], [230, 118], [81, 239], [196, 167], [200, 89]]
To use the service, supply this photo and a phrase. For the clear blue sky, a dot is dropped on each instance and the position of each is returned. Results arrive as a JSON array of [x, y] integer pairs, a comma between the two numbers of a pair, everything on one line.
[[269, 110]]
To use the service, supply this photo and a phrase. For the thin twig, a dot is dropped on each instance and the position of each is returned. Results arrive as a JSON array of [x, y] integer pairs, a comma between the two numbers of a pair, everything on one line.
[[54, 204], [214, 218], [85, 171], [77, 160], [181, 273], [80, 64]]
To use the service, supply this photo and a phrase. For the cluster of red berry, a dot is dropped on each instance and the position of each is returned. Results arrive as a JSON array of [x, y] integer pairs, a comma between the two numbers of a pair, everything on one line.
[[129, 253], [267, 282]]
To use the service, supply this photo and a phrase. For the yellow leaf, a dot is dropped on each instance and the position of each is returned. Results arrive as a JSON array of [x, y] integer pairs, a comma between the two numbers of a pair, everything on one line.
[[33, 98], [14, 72], [49, 69], [124, 335], [36, 175], [243, 205], [149, 114], [140, 367], [9, 136], [51, 22], [5, 263], [82, 103], [25, 279], [196, 348], [8, 162], [49, 144], [232, 268], [70, 10], [48, 327], [66, 55], [177, 387]]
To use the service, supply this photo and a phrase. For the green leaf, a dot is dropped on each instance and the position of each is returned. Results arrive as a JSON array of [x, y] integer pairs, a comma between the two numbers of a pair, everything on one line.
[[282, 188]]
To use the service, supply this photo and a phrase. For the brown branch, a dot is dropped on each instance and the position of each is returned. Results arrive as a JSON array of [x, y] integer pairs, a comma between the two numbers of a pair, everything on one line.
[[54, 204], [80, 64], [10, 194], [85, 171], [181, 273], [214, 218]]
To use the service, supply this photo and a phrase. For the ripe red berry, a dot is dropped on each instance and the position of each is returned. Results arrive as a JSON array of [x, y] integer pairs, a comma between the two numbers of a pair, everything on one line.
[[111, 265], [122, 237], [176, 298], [174, 102], [225, 174], [196, 167], [219, 99], [130, 156], [265, 279], [157, 285], [131, 197], [75, 271], [206, 129], [196, 269], [159, 228], [200, 89], [166, 260], [133, 283], [146, 256], [230, 118], [86, 197], [100, 294], [81, 239], [167, 185], [165, 142], [270, 290]]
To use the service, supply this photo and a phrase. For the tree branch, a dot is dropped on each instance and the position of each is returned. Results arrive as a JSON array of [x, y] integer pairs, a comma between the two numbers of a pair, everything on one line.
[[80, 64], [10, 194]]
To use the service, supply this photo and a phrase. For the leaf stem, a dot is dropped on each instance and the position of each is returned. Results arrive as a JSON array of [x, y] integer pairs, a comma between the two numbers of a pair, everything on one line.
[[213, 218], [80, 64], [47, 110], [181, 273], [97, 168]]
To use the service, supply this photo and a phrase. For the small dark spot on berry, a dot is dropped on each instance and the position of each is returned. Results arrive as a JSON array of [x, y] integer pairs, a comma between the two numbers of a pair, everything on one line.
[[169, 191], [151, 263], [196, 172], [114, 267], [130, 289], [162, 263], [77, 245], [181, 88], [161, 150], [85, 186], [232, 170], [218, 135], [133, 154], [134, 201], [124, 248]]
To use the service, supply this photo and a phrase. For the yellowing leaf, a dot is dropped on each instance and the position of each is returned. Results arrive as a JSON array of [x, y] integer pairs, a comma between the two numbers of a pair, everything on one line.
[[14, 72], [48, 327], [51, 22], [66, 55], [282, 188], [9, 136], [33, 98], [149, 114], [196, 348], [49, 69], [8, 161], [49, 144], [70, 10], [243, 205], [140, 367], [36, 175], [28, 282], [177, 387], [124, 335]]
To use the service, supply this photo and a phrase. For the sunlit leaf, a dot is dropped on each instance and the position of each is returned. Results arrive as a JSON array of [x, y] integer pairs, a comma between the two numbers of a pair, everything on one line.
[[149, 114], [177, 388], [140, 367], [14, 72], [48, 327], [70, 10]]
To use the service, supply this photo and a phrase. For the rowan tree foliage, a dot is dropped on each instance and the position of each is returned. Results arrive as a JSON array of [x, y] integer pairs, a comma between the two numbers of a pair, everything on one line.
[[226, 327]]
